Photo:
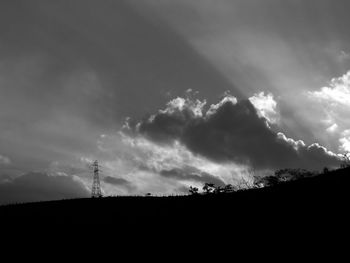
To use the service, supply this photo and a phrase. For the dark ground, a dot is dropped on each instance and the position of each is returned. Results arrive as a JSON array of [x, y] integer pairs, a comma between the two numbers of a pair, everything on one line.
[[307, 207]]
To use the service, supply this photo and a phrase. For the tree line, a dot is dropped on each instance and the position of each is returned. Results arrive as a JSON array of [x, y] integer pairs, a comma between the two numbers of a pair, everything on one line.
[[279, 176]]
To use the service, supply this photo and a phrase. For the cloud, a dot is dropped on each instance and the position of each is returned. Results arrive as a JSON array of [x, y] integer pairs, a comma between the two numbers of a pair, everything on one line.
[[265, 106], [332, 128], [343, 56], [115, 181], [173, 161], [191, 174], [338, 91], [232, 131], [345, 141], [334, 102], [119, 182], [33, 187], [150, 167], [4, 160]]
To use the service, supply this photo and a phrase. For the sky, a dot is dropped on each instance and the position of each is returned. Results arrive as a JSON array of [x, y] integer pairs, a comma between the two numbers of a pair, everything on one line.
[[168, 94]]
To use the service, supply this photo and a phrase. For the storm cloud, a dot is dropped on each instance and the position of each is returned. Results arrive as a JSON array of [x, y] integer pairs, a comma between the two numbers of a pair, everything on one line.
[[33, 187], [232, 131]]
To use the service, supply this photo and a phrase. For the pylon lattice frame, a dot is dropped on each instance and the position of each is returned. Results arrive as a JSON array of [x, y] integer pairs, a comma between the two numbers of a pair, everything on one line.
[[96, 187]]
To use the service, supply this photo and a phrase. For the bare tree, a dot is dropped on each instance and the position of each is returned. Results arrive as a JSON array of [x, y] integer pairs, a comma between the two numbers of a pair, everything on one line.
[[245, 183]]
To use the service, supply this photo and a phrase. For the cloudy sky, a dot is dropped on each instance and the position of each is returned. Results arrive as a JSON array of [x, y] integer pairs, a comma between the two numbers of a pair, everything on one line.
[[167, 94]]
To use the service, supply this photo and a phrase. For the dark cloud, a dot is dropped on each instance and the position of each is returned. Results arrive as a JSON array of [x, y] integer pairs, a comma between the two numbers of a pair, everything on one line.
[[119, 182], [33, 187], [191, 174], [232, 131]]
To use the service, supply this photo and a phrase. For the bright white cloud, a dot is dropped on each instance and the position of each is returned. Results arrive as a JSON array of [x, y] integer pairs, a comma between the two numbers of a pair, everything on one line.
[[265, 105], [179, 104], [333, 104], [345, 141], [296, 144], [332, 128], [338, 91], [214, 107]]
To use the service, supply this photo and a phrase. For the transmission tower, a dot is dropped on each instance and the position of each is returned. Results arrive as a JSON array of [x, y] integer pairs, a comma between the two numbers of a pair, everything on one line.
[[96, 187]]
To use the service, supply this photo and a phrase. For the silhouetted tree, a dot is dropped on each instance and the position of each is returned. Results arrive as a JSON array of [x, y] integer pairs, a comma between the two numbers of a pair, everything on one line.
[[229, 188], [270, 180], [209, 188], [193, 190], [219, 190], [284, 175], [258, 182]]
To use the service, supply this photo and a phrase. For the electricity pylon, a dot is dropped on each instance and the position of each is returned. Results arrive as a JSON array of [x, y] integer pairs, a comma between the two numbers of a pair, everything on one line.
[[96, 187]]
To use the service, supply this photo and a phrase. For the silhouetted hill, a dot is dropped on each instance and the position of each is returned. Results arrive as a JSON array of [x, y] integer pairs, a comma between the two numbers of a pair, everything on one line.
[[313, 204]]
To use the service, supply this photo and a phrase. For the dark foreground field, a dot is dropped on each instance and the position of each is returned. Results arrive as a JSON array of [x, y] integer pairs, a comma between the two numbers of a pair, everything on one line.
[[316, 204]]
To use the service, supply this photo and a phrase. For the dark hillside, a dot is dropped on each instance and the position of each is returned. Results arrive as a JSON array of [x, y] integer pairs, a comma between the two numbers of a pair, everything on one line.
[[311, 203]]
